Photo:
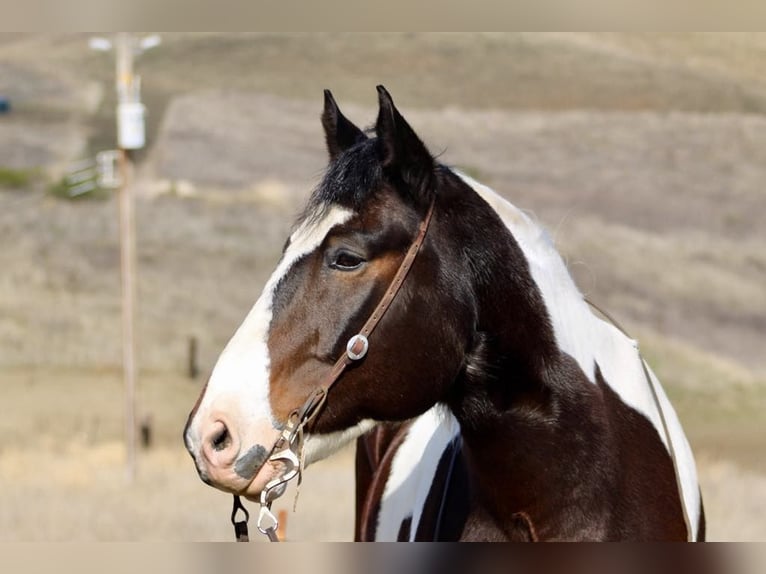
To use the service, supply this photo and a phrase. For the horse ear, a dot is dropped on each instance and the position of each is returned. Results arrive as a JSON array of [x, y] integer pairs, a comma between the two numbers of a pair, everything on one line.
[[340, 133], [401, 150]]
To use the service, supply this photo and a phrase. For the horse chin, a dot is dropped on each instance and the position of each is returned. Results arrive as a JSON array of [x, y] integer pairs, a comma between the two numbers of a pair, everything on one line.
[[251, 488], [267, 473]]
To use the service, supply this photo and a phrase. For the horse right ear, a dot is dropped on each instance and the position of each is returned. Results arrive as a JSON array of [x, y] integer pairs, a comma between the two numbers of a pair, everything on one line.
[[339, 132], [401, 150]]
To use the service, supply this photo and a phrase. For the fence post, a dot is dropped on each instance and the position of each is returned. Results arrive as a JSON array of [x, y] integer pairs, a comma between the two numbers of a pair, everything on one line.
[[193, 364]]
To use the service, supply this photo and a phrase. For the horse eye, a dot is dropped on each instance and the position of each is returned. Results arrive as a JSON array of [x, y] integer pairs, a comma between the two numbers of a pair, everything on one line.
[[345, 261]]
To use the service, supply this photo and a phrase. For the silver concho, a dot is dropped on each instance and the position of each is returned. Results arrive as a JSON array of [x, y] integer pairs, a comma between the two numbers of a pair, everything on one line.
[[350, 345]]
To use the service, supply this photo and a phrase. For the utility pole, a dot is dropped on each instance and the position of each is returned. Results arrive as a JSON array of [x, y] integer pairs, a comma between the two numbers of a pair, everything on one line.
[[127, 93], [130, 136]]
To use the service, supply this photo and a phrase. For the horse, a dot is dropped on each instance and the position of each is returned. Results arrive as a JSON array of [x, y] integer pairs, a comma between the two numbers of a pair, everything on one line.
[[490, 402]]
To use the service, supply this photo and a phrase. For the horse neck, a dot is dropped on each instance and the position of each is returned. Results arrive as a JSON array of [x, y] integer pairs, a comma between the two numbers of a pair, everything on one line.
[[522, 400], [546, 380], [574, 325], [579, 333]]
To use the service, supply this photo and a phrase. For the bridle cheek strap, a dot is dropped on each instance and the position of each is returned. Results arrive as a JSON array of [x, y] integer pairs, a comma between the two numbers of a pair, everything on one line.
[[358, 345], [288, 448]]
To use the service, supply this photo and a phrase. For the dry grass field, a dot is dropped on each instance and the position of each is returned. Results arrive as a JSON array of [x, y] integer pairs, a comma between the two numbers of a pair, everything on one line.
[[645, 157], [62, 468], [62, 473]]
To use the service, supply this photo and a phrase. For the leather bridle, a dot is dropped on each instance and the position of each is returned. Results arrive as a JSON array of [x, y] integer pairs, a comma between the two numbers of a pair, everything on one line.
[[289, 447]]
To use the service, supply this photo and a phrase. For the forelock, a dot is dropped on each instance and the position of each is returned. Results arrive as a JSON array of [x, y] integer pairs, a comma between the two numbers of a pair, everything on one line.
[[349, 181]]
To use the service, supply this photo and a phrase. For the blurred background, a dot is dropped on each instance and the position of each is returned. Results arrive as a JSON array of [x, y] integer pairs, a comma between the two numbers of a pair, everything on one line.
[[643, 155]]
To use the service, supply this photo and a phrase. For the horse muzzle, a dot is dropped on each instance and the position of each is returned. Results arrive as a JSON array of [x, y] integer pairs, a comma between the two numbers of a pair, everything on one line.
[[232, 461]]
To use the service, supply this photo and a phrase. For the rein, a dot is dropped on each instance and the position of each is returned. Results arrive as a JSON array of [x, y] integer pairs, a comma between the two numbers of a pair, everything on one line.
[[289, 447]]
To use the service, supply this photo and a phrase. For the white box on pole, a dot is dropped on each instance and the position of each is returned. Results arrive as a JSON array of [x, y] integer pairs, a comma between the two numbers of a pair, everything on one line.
[[130, 125]]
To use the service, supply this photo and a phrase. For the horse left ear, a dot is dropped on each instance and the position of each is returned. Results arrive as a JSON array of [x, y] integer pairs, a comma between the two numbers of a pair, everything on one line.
[[402, 152], [339, 132]]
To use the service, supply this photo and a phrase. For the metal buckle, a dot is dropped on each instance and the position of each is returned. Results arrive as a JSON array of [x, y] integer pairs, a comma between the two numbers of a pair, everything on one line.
[[356, 355]]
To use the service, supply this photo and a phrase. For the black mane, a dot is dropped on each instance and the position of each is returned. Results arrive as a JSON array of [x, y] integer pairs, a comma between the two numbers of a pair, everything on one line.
[[354, 176]]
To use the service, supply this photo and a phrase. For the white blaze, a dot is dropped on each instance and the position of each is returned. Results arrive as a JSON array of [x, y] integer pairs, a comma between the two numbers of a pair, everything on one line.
[[239, 385]]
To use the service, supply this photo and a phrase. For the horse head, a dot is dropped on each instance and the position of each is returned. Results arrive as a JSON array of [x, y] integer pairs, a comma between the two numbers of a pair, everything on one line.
[[335, 267]]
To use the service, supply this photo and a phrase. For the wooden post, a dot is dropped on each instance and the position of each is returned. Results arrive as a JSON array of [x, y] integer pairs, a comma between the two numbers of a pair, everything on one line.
[[127, 267], [193, 365], [124, 81], [147, 431]]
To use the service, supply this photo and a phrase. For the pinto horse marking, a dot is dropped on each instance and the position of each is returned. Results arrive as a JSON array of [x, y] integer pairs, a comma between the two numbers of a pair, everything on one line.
[[488, 353], [538, 248]]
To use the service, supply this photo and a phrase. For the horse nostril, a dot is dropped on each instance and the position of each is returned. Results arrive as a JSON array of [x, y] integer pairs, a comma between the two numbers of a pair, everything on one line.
[[221, 440]]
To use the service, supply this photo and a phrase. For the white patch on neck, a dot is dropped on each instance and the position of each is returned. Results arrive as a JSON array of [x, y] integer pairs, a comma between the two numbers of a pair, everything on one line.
[[320, 446], [413, 470], [564, 302], [590, 340], [239, 385]]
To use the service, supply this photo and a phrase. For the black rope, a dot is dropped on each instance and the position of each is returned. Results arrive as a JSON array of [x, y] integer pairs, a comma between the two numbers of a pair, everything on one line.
[[240, 527]]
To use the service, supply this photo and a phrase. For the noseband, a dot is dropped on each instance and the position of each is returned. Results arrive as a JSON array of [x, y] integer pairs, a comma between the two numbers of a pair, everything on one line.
[[289, 447]]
